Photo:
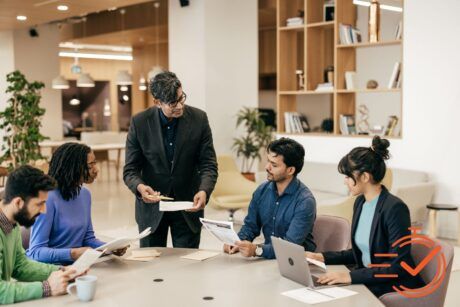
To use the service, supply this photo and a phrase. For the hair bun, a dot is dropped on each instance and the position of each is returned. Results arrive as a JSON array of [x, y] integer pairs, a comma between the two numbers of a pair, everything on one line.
[[380, 147]]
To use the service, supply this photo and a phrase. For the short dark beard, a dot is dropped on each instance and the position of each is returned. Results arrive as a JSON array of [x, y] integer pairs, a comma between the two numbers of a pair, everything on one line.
[[22, 217]]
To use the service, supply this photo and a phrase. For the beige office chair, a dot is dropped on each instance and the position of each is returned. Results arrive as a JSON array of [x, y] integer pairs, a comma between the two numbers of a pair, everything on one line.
[[331, 233], [436, 298], [233, 191]]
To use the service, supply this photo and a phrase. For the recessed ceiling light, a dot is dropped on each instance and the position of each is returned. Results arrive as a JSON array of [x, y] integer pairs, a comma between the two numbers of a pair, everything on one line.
[[21, 17], [62, 7]]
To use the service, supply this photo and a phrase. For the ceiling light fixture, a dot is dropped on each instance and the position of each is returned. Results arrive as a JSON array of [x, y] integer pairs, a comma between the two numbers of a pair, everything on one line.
[[124, 78], [62, 7], [382, 6], [142, 84], [60, 83], [121, 57], [21, 17], [74, 101], [85, 80], [123, 88]]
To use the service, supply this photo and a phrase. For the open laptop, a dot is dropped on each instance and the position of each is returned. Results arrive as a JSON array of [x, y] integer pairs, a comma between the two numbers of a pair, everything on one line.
[[293, 264]]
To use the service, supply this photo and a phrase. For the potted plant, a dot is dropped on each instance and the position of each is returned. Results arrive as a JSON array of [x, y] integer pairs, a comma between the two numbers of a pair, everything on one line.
[[257, 135], [21, 121]]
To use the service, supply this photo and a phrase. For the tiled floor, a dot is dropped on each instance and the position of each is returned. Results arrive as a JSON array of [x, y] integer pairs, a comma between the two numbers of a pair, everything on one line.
[[113, 216]]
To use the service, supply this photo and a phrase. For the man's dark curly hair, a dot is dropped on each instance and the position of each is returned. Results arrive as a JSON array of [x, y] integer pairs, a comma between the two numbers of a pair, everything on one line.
[[164, 87], [25, 182], [69, 165]]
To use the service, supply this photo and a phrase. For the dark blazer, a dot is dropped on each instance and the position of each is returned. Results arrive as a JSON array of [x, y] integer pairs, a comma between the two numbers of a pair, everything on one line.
[[194, 167], [390, 223]]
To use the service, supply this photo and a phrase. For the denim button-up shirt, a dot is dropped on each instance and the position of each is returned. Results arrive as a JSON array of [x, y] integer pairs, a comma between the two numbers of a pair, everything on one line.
[[289, 216]]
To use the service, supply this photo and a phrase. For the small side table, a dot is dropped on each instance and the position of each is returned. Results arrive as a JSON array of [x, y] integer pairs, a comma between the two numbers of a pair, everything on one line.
[[433, 210]]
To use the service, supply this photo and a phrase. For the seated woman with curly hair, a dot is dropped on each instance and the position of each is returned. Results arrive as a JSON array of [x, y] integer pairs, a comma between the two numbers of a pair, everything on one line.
[[65, 231]]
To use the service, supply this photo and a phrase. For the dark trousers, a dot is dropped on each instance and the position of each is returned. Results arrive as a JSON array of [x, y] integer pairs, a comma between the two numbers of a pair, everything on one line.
[[182, 235]]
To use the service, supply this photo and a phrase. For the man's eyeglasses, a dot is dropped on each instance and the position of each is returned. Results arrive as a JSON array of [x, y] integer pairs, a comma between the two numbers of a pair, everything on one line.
[[92, 164], [181, 100]]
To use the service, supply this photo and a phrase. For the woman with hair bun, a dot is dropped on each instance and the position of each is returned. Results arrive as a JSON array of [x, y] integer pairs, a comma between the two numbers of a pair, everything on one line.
[[379, 219]]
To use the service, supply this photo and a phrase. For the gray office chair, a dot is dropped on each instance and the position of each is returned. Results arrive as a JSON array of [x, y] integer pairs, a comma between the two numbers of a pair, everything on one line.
[[25, 235], [331, 233], [434, 299]]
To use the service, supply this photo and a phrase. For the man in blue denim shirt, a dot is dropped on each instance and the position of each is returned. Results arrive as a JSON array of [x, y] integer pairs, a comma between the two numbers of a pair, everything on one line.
[[282, 207]]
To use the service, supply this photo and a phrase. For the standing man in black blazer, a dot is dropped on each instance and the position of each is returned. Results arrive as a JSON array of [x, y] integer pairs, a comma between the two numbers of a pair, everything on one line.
[[169, 152]]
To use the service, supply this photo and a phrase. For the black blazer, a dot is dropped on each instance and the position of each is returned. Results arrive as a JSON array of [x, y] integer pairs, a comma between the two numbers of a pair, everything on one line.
[[194, 167], [391, 222]]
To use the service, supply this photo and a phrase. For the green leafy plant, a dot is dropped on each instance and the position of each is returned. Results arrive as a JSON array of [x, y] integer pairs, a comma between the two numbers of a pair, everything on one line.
[[21, 121], [257, 135]]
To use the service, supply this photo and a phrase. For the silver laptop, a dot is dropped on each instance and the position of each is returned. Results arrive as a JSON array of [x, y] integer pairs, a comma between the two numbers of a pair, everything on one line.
[[293, 264]]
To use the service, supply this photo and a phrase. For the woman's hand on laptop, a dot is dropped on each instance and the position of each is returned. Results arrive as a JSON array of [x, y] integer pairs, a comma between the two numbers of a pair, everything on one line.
[[230, 249], [315, 256], [332, 278]]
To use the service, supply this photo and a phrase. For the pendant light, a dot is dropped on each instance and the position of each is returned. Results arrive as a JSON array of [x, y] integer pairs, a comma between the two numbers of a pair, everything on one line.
[[124, 78], [60, 83], [157, 68], [85, 80]]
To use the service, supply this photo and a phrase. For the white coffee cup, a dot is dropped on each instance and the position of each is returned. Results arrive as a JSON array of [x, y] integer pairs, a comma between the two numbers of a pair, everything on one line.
[[85, 287]]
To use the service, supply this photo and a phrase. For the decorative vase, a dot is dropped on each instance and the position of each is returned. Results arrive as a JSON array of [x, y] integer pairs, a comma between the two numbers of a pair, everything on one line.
[[374, 21]]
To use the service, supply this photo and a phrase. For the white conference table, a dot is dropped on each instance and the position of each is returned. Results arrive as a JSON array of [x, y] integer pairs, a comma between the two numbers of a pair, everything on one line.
[[230, 280]]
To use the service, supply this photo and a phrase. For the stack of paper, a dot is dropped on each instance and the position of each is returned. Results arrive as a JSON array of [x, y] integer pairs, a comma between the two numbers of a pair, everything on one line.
[[143, 255], [200, 255], [310, 296]]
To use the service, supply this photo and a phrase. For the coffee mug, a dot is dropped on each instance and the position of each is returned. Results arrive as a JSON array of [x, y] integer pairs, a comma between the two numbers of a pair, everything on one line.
[[85, 287]]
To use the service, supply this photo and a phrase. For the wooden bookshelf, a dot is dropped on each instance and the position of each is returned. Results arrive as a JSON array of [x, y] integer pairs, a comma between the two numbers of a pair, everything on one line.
[[312, 47]]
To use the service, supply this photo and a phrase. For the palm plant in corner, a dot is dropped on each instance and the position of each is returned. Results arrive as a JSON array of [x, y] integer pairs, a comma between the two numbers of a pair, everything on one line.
[[257, 135], [21, 121]]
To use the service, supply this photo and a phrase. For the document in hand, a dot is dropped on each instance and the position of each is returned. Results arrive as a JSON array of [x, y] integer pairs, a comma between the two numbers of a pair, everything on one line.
[[123, 241], [175, 205], [319, 264], [89, 257], [221, 230]]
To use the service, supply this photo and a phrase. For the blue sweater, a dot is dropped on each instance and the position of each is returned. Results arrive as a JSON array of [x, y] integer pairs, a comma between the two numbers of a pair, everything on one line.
[[65, 225]]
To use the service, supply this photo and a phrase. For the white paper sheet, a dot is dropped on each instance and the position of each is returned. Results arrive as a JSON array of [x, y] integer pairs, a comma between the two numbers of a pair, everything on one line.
[[122, 242], [221, 230], [142, 253], [310, 296], [200, 255], [175, 205], [89, 257], [320, 264]]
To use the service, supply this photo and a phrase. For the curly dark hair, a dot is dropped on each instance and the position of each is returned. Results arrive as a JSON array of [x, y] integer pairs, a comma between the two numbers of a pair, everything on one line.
[[25, 182], [69, 165], [164, 87]]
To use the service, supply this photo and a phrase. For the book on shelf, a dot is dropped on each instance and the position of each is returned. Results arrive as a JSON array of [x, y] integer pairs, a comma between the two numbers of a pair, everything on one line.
[[295, 122], [324, 87], [349, 35], [391, 126], [294, 21], [347, 124], [350, 80], [395, 76], [399, 30]]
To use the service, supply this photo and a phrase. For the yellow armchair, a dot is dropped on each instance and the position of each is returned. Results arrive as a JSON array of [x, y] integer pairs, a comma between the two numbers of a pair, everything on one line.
[[233, 191]]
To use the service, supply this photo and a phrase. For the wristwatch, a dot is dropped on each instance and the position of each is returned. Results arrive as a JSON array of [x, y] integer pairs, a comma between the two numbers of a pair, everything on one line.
[[259, 250]]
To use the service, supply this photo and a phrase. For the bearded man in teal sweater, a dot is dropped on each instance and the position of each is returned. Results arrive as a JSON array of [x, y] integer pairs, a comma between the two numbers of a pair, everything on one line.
[[24, 199]]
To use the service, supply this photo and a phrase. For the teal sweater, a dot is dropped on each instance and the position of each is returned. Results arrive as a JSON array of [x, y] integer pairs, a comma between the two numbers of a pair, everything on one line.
[[27, 273]]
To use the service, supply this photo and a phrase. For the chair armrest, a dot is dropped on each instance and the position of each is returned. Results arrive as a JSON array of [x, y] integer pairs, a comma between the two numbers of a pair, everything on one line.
[[416, 197]]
